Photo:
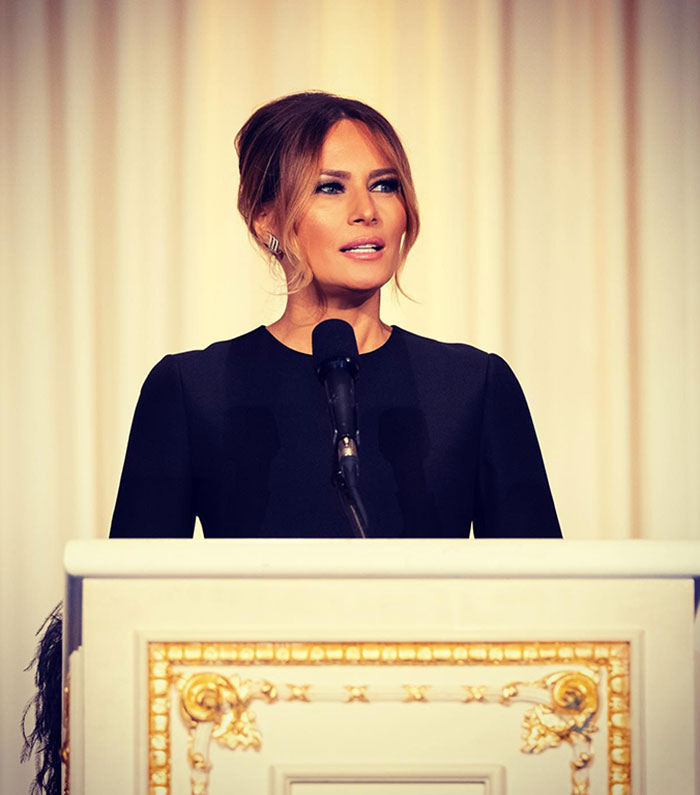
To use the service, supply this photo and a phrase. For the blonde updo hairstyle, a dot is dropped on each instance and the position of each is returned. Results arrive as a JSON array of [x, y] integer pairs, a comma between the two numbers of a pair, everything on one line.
[[279, 150]]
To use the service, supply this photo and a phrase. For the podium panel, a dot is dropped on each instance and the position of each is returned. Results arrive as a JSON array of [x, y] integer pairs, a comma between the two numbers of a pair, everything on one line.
[[371, 668]]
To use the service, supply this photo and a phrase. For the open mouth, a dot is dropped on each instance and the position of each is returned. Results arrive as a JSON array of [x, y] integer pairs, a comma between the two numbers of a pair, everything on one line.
[[363, 247]]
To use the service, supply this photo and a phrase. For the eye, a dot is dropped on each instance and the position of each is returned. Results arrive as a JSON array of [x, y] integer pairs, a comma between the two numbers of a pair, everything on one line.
[[330, 187], [388, 185]]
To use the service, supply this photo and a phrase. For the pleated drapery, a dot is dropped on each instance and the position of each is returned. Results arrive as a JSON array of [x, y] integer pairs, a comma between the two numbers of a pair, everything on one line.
[[555, 151]]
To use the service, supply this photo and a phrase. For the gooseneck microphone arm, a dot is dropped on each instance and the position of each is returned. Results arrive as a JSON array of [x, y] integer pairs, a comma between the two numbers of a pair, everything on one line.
[[337, 363]]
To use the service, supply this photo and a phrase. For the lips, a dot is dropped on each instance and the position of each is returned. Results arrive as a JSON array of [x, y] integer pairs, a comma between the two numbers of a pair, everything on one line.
[[363, 245]]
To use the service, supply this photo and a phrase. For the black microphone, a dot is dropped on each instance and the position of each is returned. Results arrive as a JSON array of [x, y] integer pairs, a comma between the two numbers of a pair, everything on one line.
[[337, 364]]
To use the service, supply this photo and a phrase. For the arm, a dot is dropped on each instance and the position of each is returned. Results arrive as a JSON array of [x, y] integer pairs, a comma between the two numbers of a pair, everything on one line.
[[155, 498], [513, 499]]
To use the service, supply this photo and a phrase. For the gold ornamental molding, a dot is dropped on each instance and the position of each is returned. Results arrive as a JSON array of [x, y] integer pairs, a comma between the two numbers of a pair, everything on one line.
[[565, 703], [64, 752]]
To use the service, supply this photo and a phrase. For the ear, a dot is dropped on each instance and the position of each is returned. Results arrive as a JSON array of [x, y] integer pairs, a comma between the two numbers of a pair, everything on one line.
[[261, 228], [265, 233], [264, 226]]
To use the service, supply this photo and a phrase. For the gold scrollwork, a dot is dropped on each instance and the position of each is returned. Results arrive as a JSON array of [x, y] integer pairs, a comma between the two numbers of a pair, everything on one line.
[[571, 718], [574, 692], [212, 698], [202, 695], [568, 715], [215, 707]]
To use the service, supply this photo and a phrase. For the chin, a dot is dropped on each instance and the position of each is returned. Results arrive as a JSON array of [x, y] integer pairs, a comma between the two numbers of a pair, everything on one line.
[[357, 281], [358, 286], [368, 281]]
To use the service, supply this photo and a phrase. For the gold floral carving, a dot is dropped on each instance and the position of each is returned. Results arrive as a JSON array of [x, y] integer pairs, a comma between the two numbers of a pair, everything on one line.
[[298, 693], [566, 710], [357, 692], [570, 717], [416, 692], [474, 693]]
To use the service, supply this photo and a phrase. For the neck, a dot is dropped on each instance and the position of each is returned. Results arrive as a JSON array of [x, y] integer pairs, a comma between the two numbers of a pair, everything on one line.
[[303, 312]]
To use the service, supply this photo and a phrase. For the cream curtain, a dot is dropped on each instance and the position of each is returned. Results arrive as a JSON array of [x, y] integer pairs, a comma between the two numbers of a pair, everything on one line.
[[555, 150]]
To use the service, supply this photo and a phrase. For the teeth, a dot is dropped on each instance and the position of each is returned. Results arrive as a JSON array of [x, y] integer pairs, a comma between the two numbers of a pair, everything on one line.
[[365, 247]]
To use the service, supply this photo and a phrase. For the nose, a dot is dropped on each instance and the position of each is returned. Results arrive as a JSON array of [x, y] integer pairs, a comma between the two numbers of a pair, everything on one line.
[[364, 210]]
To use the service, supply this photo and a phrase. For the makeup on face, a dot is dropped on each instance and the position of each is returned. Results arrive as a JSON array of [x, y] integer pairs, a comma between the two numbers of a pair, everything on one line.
[[352, 231]]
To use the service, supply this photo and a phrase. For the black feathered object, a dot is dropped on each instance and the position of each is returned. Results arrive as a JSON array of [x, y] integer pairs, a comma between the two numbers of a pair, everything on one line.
[[44, 740]]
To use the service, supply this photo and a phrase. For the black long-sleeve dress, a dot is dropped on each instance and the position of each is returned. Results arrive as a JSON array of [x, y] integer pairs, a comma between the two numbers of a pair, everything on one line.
[[239, 435]]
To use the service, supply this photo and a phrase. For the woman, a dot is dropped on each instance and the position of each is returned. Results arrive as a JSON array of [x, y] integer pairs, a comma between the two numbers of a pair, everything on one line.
[[238, 434]]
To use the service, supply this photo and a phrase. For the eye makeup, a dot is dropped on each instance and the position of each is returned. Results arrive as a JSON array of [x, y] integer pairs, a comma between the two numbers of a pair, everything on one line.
[[331, 187]]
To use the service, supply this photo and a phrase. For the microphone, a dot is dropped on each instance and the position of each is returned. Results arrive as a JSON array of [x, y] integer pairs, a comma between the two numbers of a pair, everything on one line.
[[337, 363]]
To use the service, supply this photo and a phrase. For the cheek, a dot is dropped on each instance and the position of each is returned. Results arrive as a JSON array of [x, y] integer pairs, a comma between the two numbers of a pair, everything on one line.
[[399, 220], [396, 213], [314, 230]]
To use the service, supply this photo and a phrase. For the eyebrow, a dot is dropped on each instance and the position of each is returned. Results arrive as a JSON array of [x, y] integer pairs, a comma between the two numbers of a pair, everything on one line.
[[378, 172]]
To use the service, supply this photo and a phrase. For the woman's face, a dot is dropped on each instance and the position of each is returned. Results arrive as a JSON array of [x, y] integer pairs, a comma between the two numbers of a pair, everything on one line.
[[350, 236]]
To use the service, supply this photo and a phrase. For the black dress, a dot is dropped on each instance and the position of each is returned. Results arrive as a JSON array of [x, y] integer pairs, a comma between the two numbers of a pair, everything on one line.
[[239, 435]]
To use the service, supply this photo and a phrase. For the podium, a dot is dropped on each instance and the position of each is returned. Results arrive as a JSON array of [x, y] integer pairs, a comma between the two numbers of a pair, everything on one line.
[[380, 667]]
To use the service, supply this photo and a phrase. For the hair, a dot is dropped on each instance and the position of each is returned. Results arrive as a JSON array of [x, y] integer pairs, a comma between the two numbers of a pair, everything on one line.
[[279, 150]]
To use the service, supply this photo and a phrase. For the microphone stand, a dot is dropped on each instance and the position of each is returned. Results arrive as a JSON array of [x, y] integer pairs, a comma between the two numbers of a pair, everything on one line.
[[336, 360], [346, 479]]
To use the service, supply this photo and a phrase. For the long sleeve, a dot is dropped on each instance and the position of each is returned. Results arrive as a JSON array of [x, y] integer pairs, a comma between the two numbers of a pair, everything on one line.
[[155, 498], [513, 498]]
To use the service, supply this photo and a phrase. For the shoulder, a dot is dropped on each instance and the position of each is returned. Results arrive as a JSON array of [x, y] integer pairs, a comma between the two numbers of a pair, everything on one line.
[[452, 351], [455, 357], [212, 358], [199, 373], [455, 363], [219, 352]]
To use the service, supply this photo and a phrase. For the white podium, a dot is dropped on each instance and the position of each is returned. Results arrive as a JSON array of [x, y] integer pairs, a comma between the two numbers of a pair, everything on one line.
[[380, 667]]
